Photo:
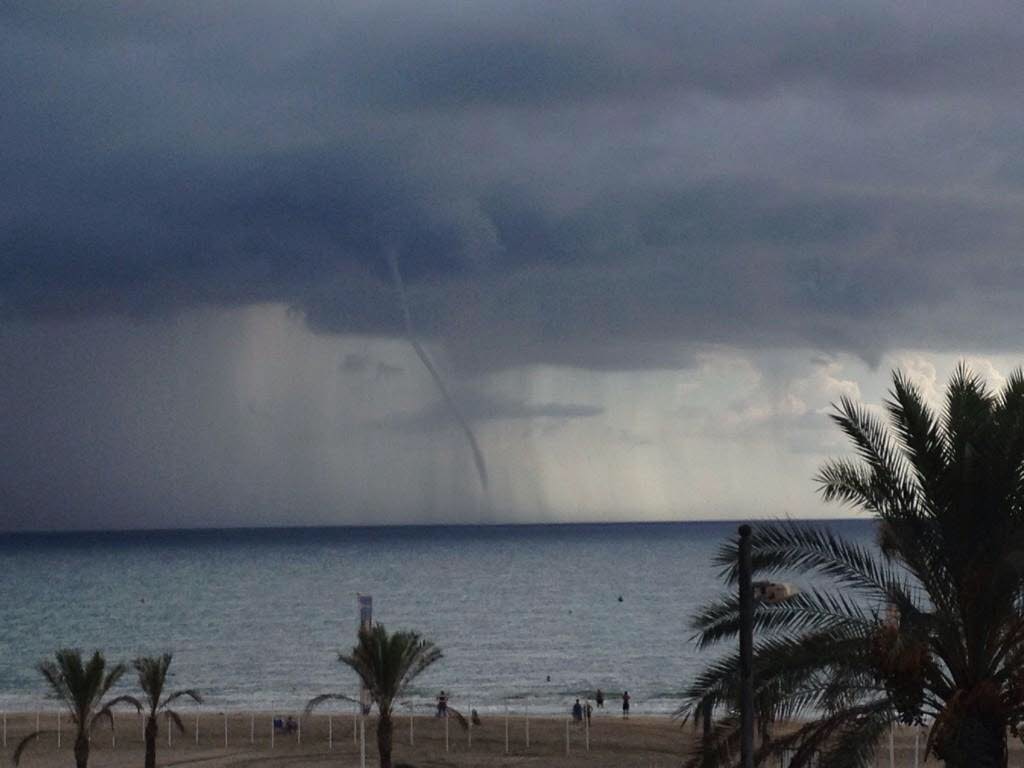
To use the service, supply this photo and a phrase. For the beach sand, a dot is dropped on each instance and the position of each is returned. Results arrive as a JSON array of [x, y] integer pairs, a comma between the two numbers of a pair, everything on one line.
[[646, 742]]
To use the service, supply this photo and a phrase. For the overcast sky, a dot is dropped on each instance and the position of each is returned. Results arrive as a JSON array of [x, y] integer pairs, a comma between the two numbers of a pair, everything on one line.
[[645, 244]]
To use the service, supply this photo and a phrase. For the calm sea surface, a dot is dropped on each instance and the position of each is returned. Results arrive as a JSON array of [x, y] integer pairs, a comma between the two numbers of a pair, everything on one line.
[[256, 618]]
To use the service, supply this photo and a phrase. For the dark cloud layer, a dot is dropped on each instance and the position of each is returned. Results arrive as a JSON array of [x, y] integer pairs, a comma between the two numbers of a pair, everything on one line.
[[591, 184]]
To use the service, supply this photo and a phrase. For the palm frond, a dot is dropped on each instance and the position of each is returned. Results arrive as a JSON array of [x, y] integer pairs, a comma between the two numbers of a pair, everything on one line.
[[176, 719], [190, 693], [812, 609], [23, 744], [316, 701]]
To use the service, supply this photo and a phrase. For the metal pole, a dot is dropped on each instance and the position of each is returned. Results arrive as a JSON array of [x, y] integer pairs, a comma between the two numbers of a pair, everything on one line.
[[225, 730], [506, 727], [298, 731], [411, 735], [446, 732], [272, 730], [197, 729], [746, 652], [330, 733], [113, 733], [252, 728], [527, 725], [5, 729], [917, 735], [58, 730], [170, 730], [707, 714], [362, 742], [355, 725]]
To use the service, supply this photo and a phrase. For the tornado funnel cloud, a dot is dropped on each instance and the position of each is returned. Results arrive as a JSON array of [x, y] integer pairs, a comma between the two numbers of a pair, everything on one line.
[[453, 408]]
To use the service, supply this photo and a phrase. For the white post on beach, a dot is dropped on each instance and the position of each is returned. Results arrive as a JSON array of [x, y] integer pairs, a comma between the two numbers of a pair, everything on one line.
[[170, 731], [197, 729], [362, 742], [330, 733], [113, 733], [298, 731], [225, 730], [272, 729], [5, 729], [446, 732], [567, 737], [252, 728], [411, 735], [527, 725], [892, 746], [355, 725], [58, 730], [37, 719], [917, 735], [506, 727]]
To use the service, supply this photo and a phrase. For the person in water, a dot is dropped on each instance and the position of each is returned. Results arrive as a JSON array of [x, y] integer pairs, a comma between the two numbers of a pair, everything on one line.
[[625, 705]]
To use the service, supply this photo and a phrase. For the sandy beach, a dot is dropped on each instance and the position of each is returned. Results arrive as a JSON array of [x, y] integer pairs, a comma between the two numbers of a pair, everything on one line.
[[647, 742]]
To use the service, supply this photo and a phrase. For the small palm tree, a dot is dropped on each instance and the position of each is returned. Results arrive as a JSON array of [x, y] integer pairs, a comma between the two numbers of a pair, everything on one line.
[[152, 671], [81, 688], [386, 665]]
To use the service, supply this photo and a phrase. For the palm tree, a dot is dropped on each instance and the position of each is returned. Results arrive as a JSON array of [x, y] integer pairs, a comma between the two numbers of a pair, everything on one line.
[[81, 688], [927, 627], [386, 665], [152, 671]]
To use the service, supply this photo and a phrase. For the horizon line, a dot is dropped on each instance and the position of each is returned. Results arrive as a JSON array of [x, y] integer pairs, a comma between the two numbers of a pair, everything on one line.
[[407, 526]]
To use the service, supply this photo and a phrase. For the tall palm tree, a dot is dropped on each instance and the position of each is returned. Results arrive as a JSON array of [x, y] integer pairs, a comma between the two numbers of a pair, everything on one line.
[[152, 671], [925, 628], [386, 665], [81, 689]]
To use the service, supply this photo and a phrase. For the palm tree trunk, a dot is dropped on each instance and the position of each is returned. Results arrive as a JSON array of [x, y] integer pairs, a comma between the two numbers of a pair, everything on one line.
[[82, 749], [384, 739], [977, 743], [151, 733]]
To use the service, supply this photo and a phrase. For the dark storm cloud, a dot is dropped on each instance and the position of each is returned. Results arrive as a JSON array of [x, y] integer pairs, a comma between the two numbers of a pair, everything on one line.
[[578, 183]]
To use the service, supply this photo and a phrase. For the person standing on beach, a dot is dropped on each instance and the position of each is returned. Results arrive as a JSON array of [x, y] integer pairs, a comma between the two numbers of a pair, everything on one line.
[[577, 711], [625, 705], [599, 698]]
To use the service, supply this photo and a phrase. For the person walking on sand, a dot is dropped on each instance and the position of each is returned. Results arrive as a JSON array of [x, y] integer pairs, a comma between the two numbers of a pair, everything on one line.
[[587, 712], [625, 705]]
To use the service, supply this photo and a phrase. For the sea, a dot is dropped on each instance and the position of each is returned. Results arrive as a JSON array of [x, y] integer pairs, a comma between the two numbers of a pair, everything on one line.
[[527, 616]]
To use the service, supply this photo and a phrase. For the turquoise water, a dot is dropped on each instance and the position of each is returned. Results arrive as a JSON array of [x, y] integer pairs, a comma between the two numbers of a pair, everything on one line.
[[256, 617]]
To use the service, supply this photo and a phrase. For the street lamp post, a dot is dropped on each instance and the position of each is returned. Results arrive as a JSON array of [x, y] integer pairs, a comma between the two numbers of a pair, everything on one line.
[[762, 592], [746, 652]]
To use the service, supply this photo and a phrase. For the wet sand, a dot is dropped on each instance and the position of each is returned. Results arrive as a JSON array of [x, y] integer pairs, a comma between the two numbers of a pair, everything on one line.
[[325, 740]]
